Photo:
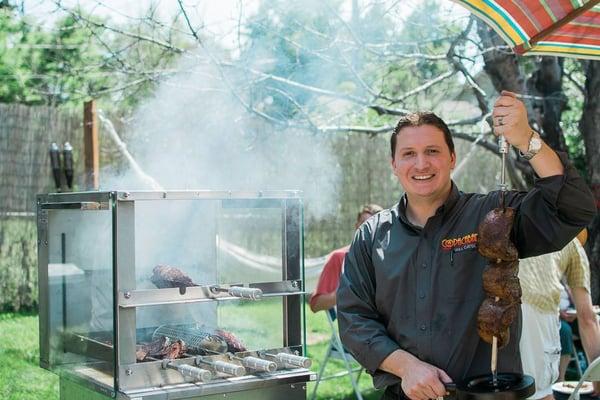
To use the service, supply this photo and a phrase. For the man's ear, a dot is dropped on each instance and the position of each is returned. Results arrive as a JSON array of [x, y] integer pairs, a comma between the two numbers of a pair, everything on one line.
[[452, 160]]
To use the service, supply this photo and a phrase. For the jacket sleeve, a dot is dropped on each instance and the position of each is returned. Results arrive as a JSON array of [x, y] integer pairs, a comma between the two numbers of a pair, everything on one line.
[[362, 328], [552, 213]]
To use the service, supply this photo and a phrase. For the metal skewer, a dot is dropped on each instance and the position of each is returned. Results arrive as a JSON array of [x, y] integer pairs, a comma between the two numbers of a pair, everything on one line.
[[503, 148], [198, 374], [494, 364]]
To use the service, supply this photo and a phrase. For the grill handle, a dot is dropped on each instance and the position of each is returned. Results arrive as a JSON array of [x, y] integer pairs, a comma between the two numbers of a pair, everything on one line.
[[259, 364], [296, 361], [224, 367], [198, 374], [245, 293]]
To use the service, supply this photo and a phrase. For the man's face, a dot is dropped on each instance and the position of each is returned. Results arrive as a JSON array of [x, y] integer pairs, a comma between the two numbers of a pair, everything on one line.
[[423, 162]]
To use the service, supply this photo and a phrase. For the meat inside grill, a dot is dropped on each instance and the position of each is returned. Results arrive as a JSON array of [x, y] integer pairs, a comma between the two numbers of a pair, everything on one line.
[[161, 348], [165, 276]]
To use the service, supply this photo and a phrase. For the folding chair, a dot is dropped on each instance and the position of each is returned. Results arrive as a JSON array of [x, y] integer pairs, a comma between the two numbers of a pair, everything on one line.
[[592, 373], [335, 350], [575, 356]]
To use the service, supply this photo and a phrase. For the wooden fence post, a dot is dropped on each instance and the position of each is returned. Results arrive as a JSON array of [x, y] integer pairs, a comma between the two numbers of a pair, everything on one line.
[[90, 145]]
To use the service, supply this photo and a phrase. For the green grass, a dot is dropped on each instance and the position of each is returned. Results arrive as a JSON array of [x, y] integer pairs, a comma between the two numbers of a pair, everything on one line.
[[20, 376], [318, 334], [22, 379]]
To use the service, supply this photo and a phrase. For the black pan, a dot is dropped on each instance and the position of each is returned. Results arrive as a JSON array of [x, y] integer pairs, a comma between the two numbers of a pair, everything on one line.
[[509, 386]]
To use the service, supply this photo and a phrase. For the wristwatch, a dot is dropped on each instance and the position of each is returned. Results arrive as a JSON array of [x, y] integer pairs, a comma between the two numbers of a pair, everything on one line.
[[535, 145]]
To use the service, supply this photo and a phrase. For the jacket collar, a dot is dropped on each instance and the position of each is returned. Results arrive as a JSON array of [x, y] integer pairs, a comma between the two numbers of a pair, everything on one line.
[[442, 210]]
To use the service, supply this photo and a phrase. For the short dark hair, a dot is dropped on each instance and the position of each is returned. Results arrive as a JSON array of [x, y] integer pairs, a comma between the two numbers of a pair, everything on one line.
[[419, 119], [371, 209]]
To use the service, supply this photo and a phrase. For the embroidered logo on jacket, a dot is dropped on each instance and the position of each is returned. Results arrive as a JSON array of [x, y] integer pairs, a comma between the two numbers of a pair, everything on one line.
[[459, 244]]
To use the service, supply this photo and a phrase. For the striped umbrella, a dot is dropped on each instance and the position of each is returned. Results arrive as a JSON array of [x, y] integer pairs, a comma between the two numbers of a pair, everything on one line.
[[568, 28]]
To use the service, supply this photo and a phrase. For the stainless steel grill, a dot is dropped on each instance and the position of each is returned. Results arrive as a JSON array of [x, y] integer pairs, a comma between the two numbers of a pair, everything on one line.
[[240, 321]]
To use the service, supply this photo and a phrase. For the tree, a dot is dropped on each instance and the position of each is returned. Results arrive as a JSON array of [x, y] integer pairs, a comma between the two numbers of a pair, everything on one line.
[[348, 67], [72, 61]]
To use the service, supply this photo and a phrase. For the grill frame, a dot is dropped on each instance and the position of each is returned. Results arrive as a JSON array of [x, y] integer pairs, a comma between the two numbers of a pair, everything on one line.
[[132, 378]]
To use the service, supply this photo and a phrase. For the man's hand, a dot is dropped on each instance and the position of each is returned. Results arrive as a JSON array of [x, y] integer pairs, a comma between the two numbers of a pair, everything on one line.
[[569, 317], [420, 381], [510, 120], [423, 381]]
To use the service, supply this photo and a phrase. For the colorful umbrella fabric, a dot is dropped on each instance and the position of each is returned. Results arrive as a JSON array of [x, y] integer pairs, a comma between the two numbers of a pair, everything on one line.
[[568, 28]]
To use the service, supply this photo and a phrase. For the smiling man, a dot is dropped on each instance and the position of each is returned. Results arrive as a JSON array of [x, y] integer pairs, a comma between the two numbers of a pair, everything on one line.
[[411, 288]]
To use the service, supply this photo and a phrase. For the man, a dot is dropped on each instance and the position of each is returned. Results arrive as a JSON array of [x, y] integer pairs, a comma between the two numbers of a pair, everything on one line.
[[323, 298], [541, 285], [411, 287]]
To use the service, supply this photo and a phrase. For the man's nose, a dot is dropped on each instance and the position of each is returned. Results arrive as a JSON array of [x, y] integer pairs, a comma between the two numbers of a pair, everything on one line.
[[421, 161]]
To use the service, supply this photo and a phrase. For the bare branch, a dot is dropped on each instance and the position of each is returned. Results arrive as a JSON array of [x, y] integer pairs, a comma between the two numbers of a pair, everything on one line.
[[577, 85], [380, 109], [187, 21], [424, 86], [79, 17], [480, 94]]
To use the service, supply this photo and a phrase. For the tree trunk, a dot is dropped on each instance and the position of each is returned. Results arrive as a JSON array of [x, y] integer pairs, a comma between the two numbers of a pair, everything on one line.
[[500, 65], [546, 82], [588, 126]]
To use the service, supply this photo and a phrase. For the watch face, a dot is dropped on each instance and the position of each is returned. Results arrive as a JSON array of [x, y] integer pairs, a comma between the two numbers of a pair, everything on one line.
[[535, 144]]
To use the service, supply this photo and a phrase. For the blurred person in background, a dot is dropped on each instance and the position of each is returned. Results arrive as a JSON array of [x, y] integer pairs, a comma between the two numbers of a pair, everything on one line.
[[323, 298], [541, 284]]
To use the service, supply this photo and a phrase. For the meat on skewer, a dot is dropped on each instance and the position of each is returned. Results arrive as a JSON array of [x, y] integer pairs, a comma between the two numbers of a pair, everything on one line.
[[501, 280], [493, 238], [162, 347], [164, 276], [494, 319], [233, 343]]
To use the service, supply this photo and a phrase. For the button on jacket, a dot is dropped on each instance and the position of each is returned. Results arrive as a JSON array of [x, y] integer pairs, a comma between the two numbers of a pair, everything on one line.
[[419, 289]]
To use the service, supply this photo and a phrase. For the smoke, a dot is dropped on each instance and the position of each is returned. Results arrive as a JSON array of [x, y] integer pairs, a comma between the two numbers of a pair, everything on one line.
[[200, 131], [203, 130]]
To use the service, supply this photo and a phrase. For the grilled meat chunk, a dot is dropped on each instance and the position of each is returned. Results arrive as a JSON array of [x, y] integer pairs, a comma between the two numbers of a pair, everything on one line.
[[233, 343], [162, 347], [501, 280], [175, 350], [164, 276], [150, 349], [488, 336], [494, 319], [493, 235]]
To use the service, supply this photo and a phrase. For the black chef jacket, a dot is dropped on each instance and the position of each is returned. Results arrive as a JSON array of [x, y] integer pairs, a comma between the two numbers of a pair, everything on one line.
[[419, 289]]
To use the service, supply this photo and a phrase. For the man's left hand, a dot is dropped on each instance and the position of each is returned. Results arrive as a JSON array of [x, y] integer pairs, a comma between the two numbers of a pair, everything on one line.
[[510, 120]]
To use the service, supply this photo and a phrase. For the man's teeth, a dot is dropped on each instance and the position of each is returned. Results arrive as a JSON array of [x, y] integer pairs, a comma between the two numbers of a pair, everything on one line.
[[422, 177]]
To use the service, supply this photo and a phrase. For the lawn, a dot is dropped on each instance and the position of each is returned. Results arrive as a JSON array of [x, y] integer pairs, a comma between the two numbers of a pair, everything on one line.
[[22, 379], [20, 376]]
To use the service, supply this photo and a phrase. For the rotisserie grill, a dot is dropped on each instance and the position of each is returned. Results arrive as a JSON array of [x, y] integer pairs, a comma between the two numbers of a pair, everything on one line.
[[188, 294]]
